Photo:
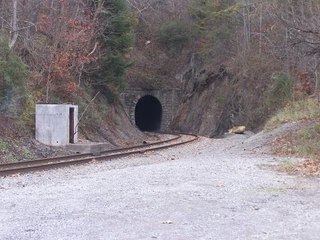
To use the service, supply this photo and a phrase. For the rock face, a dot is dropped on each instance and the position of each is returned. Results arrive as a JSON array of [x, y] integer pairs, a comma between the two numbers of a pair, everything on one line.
[[209, 106]]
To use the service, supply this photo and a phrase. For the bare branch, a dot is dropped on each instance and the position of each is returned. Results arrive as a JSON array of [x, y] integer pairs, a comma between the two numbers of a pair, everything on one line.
[[94, 49], [86, 109], [14, 25]]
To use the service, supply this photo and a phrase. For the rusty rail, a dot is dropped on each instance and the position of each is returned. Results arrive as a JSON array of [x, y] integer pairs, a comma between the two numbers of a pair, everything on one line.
[[49, 163]]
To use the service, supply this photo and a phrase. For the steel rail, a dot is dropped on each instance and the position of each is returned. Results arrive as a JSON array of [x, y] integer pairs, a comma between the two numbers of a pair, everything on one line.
[[86, 155], [49, 163]]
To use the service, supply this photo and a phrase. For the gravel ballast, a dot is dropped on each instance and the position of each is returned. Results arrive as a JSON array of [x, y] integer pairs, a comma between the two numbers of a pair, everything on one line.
[[210, 189]]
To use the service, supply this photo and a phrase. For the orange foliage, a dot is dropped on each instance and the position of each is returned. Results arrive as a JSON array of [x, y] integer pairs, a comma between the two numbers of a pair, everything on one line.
[[71, 87], [70, 37], [305, 84]]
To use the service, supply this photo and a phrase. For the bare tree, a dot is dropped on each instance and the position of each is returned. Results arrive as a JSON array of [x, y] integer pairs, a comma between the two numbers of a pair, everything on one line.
[[35, 6], [14, 31]]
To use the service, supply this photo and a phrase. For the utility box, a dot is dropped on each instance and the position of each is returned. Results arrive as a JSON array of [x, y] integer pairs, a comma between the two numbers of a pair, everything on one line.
[[56, 124]]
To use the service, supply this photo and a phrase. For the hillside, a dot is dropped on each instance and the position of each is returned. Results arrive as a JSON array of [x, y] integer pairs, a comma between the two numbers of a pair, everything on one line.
[[235, 62]]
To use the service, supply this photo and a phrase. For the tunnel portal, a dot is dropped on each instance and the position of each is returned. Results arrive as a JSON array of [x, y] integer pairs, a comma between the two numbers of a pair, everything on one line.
[[148, 114]]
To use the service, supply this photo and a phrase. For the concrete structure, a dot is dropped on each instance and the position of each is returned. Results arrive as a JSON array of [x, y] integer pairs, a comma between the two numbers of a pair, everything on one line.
[[95, 148], [56, 125], [151, 110]]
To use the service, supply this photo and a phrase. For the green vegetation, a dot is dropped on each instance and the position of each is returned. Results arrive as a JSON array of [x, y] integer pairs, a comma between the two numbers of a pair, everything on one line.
[[287, 166], [305, 142], [13, 75], [4, 146], [86, 47], [215, 23], [281, 90], [116, 39], [92, 113], [306, 109], [26, 119], [175, 36], [278, 93]]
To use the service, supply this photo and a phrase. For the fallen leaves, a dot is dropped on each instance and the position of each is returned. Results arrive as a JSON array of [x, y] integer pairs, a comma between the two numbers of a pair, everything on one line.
[[305, 168], [283, 146], [304, 143], [309, 167]]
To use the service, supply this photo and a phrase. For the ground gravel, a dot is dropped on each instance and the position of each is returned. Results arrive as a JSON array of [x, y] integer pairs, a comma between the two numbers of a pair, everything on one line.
[[210, 189]]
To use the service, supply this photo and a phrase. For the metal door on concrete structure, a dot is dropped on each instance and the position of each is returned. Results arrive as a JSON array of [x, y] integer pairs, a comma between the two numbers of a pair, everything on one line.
[[56, 124], [71, 125]]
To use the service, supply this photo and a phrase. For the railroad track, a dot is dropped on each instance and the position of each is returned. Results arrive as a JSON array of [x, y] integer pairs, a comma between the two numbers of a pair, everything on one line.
[[49, 163]]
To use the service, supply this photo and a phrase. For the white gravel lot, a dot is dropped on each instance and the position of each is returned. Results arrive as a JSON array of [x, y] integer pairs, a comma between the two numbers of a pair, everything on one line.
[[210, 189]]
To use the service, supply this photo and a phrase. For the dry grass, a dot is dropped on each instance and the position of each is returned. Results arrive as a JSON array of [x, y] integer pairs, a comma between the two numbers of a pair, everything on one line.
[[307, 109], [304, 143], [305, 168]]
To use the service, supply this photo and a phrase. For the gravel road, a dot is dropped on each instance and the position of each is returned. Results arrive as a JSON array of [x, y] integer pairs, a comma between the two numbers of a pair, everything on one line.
[[210, 189]]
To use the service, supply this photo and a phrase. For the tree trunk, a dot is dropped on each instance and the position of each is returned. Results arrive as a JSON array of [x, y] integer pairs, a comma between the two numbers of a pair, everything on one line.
[[14, 26], [260, 28], [34, 9], [1, 14]]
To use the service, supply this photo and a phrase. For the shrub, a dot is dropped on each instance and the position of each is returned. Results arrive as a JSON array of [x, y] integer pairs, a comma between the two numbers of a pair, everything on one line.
[[116, 39], [13, 75], [280, 91], [174, 36], [215, 22], [295, 111]]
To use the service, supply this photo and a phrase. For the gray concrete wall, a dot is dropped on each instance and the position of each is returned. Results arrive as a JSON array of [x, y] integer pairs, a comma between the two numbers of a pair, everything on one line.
[[169, 100], [52, 124]]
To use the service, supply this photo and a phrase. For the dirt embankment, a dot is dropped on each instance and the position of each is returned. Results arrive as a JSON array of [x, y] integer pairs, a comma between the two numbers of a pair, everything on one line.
[[17, 142]]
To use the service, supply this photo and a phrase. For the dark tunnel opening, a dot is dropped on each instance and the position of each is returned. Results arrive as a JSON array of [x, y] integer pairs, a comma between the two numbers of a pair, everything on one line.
[[148, 114]]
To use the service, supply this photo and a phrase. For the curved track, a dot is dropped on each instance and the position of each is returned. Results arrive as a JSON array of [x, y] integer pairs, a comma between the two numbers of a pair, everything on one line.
[[49, 163]]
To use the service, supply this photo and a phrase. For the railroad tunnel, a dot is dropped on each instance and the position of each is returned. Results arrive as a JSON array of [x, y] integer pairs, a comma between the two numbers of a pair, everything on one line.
[[148, 114]]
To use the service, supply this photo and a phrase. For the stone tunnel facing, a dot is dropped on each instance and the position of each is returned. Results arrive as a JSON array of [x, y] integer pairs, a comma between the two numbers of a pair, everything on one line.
[[148, 114]]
